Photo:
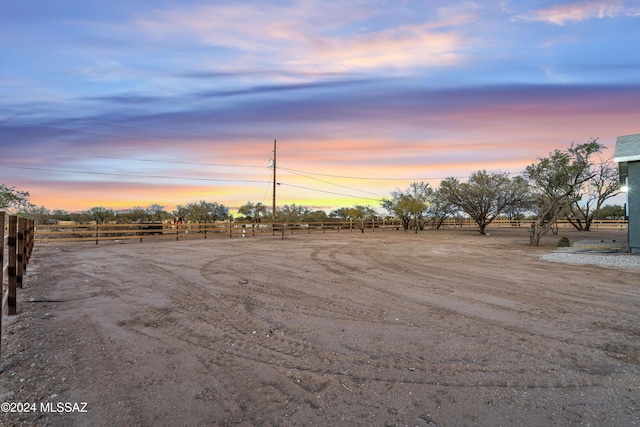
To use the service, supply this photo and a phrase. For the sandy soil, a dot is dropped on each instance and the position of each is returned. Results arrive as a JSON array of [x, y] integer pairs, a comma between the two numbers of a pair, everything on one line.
[[443, 328]]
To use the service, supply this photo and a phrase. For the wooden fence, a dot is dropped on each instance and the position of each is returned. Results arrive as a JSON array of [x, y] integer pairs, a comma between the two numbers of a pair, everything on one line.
[[71, 232], [17, 241]]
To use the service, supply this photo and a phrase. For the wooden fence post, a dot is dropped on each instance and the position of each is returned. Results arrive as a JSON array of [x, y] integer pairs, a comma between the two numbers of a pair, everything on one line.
[[11, 269], [21, 267], [29, 242], [97, 227]]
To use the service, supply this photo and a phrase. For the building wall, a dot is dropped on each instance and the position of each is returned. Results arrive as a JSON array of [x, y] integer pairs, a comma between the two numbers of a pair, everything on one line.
[[633, 204]]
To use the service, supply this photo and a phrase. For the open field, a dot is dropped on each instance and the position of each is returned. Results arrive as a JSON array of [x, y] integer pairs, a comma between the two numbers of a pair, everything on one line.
[[443, 328]]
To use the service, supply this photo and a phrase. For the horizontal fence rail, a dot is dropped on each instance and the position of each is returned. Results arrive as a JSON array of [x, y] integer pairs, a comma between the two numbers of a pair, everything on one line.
[[71, 232], [17, 241]]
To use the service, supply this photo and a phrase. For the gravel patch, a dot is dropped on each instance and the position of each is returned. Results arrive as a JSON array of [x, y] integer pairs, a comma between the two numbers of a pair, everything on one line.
[[605, 260]]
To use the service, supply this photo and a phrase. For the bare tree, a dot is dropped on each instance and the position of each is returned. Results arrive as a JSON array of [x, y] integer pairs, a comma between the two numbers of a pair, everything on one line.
[[439, 208], [601, 187]]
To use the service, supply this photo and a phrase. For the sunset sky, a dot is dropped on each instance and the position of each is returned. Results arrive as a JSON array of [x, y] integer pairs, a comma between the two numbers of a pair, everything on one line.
[[129, 103]]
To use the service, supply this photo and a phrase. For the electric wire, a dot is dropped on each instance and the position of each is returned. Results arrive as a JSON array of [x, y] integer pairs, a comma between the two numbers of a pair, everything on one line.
[[328, 192], [332, 183]]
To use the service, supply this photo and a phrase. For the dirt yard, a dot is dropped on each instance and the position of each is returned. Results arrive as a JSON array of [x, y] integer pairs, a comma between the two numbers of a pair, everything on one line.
[[443, 328]]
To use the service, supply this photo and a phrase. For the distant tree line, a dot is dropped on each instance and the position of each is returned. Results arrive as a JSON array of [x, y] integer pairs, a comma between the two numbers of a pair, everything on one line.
[[570, 184]]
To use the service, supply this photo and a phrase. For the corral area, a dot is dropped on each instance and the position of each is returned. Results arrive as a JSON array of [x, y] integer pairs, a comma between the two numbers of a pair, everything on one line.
[[442, 328]]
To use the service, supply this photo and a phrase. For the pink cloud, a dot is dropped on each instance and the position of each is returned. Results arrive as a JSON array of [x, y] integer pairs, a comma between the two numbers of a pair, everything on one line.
[[311, 37], [577, 11]]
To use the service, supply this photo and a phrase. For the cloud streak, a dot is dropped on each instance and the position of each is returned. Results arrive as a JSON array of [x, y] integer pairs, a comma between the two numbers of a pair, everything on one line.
[[575, 12]]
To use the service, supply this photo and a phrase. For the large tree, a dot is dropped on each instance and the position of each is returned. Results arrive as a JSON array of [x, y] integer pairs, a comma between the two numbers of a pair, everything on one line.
[[485, 195], [556, 182], [604, 184]]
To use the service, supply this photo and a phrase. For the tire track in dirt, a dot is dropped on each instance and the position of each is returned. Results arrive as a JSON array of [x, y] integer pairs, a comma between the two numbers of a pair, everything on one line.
[[469, 309], [232, 337], [241, 310]]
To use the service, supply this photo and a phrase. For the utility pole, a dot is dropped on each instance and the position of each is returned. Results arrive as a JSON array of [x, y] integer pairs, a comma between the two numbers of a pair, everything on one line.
[[274, 179]]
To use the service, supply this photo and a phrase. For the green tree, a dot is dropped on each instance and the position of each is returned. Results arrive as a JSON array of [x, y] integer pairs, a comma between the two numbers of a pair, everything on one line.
[[99, 214], [39, 214], [157, 213], [611, 212], [135, 215], [484, 196], [556, 182], [60, 215], [358, 213], [202, 211], [291, 213], [409, 204], [254, 211], [13, 199], [315, 216]]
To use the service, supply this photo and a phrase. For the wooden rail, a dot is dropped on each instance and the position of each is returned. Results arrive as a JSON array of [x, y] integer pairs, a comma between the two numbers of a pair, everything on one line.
[[71, 232], [17, 241]]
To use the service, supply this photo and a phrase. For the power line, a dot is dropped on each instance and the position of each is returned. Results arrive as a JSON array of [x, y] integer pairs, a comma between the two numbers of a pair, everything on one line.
[[383, 179], [368, 178], [330, 183], [328, 192]]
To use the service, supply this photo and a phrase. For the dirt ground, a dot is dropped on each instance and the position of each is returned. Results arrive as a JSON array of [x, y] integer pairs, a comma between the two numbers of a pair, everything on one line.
[[443, 328]]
